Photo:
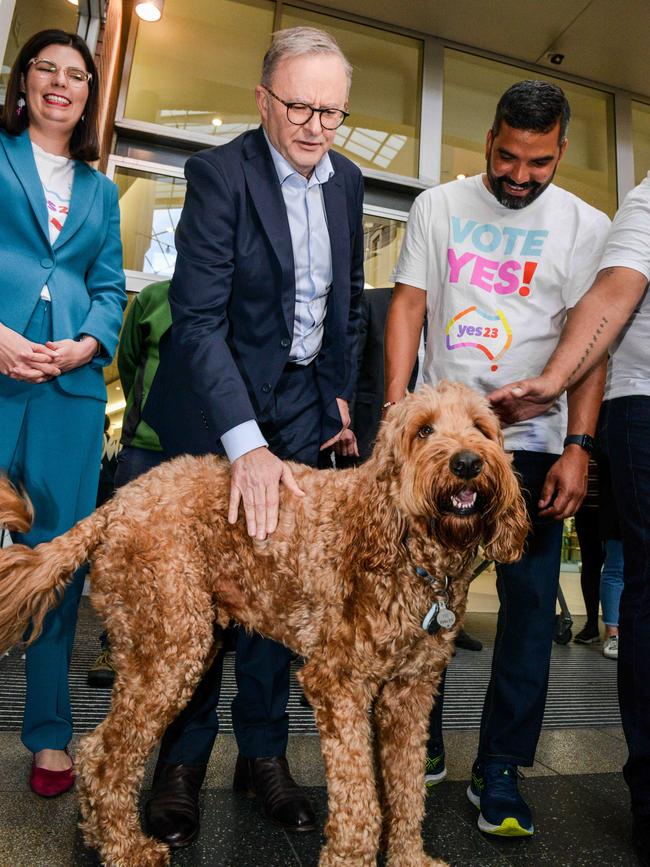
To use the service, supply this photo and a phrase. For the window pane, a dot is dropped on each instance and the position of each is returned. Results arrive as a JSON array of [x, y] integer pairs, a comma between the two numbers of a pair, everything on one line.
[[196, 69], [29, 17], [641, 140], [383, 239], [383, 131], [472, 88], [150, 207]]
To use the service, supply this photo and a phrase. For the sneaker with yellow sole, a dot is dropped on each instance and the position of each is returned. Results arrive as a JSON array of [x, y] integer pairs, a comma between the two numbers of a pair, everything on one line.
[[494, 791], [435, 770]]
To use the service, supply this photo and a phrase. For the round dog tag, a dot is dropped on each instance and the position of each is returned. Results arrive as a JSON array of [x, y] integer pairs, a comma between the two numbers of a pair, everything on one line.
[[446, 618]]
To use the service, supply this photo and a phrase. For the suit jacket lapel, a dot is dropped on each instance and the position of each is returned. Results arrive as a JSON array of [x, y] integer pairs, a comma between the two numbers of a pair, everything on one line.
[[21, 158], [266, 193], [84, 188], [339, 231]]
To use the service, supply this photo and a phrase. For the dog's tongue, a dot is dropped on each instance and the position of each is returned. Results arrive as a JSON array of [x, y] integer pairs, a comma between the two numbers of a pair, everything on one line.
[[466, 496]]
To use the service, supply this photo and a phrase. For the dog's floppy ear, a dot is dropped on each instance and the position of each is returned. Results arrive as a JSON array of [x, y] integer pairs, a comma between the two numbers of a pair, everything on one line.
[[375, 540], [508, 527]]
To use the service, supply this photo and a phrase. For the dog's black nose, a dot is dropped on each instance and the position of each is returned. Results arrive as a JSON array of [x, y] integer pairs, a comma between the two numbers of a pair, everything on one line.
[[465, 465]]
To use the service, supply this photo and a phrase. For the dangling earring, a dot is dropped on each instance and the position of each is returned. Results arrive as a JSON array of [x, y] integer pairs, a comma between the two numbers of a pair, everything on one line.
[[20, 105], [83, 118]]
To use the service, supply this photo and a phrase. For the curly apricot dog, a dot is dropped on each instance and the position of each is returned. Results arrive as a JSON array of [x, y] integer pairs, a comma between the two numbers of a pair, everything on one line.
[[346, 580]]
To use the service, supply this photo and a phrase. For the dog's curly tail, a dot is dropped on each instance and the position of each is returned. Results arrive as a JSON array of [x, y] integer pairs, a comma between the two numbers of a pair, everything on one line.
[[32, 580]]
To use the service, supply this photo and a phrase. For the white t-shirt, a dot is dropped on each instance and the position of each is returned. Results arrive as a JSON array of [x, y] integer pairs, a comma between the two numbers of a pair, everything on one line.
[[628, 246], [56, 174], [499, 282]]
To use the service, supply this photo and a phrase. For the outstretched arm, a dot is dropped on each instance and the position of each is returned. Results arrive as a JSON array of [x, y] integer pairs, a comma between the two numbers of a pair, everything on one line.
[[591, 327], [402, 338]]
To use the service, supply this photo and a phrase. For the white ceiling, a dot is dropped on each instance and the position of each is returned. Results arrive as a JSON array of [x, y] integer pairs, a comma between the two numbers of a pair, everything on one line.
[[604, 41]]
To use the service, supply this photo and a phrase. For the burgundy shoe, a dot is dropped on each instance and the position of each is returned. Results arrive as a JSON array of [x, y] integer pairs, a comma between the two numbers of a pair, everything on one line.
[[49, 784]]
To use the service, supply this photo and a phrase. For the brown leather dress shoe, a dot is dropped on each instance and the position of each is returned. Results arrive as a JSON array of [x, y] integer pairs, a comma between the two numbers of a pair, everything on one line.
[[283, 801], [172, 811]]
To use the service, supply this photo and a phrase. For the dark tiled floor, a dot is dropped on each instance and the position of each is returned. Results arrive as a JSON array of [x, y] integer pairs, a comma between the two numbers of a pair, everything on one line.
[[582, 821], [575, 787], [581, 817]]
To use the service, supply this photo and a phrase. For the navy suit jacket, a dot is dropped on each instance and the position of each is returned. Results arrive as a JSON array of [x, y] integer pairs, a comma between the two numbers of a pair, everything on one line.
[[232, 298]]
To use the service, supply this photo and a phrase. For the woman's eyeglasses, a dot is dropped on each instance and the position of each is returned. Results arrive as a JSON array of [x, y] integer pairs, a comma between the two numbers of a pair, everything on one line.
[[47, 68]]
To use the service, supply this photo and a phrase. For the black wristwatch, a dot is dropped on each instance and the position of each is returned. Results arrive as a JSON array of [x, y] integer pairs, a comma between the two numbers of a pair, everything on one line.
[[585, 442]]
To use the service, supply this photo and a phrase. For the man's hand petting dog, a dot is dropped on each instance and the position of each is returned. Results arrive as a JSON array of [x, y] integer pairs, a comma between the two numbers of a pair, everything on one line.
[[255, 481]]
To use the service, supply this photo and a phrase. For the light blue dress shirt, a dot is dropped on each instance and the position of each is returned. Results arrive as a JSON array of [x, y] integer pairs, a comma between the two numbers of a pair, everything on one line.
[[312, 256]]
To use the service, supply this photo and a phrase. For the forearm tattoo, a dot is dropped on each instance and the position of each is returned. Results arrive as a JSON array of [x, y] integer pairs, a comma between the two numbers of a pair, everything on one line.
[[589, 348]]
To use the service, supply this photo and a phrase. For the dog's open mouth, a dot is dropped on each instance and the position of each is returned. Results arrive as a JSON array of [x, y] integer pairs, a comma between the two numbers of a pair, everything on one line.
[[463, 502]]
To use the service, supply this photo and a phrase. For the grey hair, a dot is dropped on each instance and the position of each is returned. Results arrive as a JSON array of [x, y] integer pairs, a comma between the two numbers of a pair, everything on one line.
[[297, 41]]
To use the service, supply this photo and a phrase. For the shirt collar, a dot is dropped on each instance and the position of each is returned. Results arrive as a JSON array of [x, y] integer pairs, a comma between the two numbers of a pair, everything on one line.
[[321, 174]]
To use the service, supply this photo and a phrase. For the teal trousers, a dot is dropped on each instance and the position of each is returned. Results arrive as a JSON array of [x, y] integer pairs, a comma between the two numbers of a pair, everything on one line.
[[51, 442]]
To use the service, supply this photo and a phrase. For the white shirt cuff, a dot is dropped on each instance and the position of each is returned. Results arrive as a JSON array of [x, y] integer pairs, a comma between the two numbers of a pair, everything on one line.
[[242, 438]]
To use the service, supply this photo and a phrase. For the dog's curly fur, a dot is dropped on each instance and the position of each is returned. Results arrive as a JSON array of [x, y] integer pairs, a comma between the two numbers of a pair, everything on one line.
[[336, 582]]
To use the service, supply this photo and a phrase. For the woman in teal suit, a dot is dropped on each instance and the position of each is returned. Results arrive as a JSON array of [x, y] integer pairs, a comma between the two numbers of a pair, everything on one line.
[[61, 302]]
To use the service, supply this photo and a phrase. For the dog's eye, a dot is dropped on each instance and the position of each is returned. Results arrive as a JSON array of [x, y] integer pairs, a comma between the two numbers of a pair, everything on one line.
[[425, 431], [483, 429]]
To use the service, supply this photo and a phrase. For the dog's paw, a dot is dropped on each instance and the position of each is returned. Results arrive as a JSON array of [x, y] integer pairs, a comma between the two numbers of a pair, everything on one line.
[[415, 859], [148, 853], [330, 858]]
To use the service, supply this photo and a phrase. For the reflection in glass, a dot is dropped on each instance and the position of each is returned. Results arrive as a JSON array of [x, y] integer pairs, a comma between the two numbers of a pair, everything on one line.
[[472, 87], [150, 208], [640, 140], [382, 241], [197, 68], [29, 17]]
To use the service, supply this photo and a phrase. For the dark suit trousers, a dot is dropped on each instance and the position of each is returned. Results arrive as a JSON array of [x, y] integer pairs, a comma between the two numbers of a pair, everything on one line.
[[292, 427]]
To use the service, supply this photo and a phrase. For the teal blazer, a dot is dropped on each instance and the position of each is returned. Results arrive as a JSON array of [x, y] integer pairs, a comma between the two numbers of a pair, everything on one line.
[[83, 269]]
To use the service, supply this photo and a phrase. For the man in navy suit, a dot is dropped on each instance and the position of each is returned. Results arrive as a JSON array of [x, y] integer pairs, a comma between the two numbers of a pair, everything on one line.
[[260, 364]]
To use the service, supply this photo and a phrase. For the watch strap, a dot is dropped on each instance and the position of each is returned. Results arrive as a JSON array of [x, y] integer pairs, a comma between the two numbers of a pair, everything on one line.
[[585, 441]]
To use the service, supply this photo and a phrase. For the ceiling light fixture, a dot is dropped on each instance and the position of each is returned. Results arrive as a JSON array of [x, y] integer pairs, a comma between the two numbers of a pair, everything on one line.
[[150, 10]]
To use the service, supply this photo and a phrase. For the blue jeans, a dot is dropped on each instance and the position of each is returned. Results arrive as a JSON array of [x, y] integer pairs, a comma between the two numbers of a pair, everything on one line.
[[514, 704], [625, 430], [611, 581]]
